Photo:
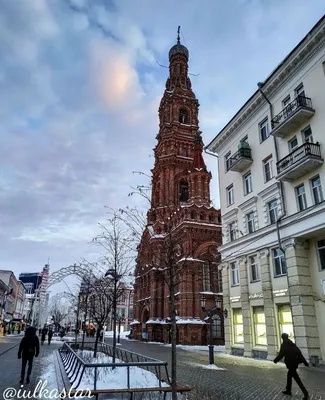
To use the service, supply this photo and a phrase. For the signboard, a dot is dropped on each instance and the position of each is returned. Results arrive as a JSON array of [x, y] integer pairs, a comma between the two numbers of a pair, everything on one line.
[[235, 299], [256, 296], [280, 292]]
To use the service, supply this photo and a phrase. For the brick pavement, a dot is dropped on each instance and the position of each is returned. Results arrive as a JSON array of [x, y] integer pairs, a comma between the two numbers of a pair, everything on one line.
[[241, 378]]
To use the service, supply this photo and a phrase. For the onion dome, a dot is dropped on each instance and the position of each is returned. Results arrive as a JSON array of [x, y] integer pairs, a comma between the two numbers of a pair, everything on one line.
[[178, 48]]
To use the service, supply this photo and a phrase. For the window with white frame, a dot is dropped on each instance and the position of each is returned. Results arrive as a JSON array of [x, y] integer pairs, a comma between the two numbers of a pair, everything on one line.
[[307, 135], [206, 278], [286, 101], [248, 184], [264, 129], [250, 220], [321, 253], [272, 207], [230, 195], [234, 270], [293, 144], [300, 90], [285, 320], [301, 197], [268, 168], [317, 190], [280, 265], [254, 269], [216, 326], [259, 326], [232, 231], [237, 320]]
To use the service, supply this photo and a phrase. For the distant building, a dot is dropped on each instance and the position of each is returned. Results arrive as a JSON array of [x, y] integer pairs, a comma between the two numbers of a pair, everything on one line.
[[31, 281]]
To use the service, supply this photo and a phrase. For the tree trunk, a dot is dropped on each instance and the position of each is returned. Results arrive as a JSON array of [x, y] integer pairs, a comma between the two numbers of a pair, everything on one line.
[[96, 341], [173, 328]]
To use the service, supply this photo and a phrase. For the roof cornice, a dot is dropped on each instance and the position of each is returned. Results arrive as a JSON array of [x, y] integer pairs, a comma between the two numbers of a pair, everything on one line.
[[295, 60]]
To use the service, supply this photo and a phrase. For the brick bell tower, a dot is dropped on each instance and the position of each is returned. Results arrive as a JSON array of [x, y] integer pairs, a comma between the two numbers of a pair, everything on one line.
[[181, 186]]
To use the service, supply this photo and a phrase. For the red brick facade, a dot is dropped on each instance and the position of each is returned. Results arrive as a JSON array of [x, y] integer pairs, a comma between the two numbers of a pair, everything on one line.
[[181, 187]]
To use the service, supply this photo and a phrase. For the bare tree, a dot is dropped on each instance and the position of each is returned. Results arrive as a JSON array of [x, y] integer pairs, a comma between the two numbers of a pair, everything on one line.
[[116, 242], [59, 311], [158, 234]]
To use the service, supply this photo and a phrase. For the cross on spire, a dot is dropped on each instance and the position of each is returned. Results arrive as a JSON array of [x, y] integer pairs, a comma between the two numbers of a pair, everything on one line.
[[178, 37]]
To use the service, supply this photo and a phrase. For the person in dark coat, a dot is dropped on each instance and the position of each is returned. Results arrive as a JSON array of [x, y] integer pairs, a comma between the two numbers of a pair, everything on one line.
[[292, 358], [28, 349], [44, 333], [49, 336]]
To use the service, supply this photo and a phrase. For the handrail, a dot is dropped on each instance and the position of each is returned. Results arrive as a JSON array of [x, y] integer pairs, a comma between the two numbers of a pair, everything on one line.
[[307, 149], [244, 152], [289, 109], [75, 366]]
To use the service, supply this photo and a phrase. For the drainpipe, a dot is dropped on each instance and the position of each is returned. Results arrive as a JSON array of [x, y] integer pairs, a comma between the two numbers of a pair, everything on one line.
[[260, 85], [210, 153]]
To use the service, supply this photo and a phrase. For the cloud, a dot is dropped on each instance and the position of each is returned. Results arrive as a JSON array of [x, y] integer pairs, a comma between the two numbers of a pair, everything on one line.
[[79, 96]]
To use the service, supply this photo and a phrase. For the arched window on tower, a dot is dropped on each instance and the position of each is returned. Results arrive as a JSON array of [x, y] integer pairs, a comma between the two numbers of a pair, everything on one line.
[[183, 116], [183, 191]]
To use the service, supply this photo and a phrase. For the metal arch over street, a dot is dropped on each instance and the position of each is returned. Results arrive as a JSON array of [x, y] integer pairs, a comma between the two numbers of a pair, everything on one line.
[[62, 295], [62, 273]]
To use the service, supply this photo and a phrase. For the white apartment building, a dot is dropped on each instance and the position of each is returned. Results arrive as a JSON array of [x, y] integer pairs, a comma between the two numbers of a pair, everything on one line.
[[272, 187]]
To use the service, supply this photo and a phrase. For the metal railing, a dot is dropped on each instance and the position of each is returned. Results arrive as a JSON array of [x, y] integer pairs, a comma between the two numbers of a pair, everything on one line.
[[307, 149], [241, 153], [298, 102], [77, 367]]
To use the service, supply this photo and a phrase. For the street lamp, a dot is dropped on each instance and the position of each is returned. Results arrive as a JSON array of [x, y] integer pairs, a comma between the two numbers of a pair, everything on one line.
[[113, 273], [210, 314]]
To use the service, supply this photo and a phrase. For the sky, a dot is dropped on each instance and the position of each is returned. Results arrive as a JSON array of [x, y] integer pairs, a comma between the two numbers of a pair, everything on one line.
[[80, 86]]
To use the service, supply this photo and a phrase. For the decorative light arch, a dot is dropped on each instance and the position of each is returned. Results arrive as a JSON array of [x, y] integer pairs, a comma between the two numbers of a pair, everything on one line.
[[62, 273]]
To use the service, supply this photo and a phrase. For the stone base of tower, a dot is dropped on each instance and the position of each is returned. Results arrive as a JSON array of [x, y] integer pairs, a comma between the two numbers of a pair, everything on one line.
[[187, 334]]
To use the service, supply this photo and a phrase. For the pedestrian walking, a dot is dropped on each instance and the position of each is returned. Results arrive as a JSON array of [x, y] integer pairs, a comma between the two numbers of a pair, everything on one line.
[[292, 358], [28, 349], [49, 336], [43, 336]]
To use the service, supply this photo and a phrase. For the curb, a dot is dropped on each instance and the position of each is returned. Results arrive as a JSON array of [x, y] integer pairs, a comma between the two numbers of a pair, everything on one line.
[[10, 348]]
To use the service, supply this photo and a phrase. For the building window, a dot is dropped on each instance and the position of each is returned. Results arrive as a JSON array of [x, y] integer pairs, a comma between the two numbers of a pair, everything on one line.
[[234, 274], [230, 195], [183, 116], [227, 160], [264, 129], [307, 135], [250, 222], [248, 185], [280, 266], [259, 326], [300, 91], [293, 143], [206, 278], [238, 325], [183, 191], [232, 231], [316, 188], [285, 320], [301, 197], [216, 327], [321, 253], [253, 266], [273, 211], [286, 101], [268, 168]]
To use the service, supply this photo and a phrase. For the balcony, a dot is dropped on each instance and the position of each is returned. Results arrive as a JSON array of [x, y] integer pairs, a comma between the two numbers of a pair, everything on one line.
[[292, 116], [299, 162], [240, 160]]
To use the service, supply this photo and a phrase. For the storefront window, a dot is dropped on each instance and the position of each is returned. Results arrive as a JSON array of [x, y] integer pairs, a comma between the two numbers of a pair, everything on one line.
[[285, 321], [238, 326], [259, 326]]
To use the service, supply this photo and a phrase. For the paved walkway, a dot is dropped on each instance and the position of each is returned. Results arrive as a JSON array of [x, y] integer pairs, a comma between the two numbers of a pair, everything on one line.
[[240, 378]]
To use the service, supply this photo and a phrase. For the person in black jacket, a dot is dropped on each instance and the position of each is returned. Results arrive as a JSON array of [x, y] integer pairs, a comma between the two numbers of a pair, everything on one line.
[[28, 348], [292, 358], [44, 333]]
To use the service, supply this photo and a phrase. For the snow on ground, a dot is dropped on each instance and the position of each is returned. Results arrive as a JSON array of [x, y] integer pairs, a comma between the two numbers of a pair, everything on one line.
[[217, 349], [122, 334], [109, 378], [211, 366]]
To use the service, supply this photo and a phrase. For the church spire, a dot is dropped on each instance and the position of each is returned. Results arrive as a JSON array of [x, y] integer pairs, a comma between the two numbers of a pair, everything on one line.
[[178, 38], [198, 161]]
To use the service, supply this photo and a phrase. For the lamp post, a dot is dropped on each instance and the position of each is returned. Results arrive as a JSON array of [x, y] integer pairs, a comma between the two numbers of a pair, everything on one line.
[[210, 314], [113, 273], [77, 322]]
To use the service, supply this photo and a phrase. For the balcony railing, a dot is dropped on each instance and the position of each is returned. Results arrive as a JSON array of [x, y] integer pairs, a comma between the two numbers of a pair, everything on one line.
[[294, 113], [240, 160], [300, 161]]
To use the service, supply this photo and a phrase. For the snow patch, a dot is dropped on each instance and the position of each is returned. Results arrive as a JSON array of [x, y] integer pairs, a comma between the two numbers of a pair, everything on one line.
[[211, 366]]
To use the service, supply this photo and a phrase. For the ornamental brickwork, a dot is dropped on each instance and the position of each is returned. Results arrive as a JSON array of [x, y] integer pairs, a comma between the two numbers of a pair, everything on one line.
[[180, 199]]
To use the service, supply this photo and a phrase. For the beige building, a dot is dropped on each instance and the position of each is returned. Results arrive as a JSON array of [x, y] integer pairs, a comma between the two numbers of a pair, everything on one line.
[[272, 186]]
